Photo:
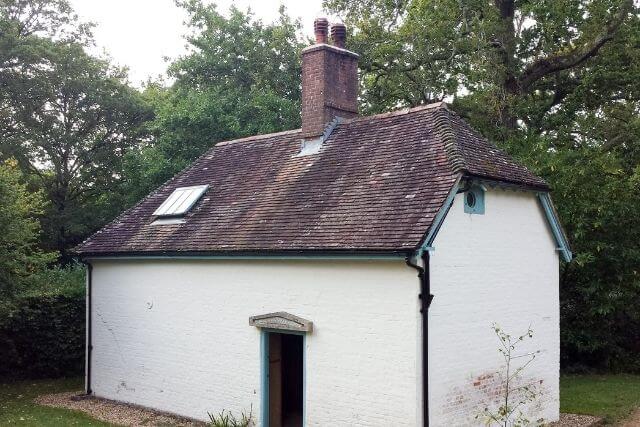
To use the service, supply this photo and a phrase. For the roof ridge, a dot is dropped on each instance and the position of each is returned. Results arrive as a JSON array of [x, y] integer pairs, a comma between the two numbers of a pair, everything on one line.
[[258, 137], [401, 111], [444, 126]]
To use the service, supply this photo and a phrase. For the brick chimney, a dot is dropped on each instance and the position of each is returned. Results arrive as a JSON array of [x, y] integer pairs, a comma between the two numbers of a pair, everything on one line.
[[329, 80]]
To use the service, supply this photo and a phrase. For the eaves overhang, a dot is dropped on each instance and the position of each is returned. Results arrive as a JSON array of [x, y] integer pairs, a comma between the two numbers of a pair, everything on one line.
[[353, 254], [542, 193]]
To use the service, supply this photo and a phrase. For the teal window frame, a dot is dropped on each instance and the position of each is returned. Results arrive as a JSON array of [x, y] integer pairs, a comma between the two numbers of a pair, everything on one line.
[[478, 207]]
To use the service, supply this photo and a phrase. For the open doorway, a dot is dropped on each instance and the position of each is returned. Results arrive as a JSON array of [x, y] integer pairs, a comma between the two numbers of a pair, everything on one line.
[[286, 380]]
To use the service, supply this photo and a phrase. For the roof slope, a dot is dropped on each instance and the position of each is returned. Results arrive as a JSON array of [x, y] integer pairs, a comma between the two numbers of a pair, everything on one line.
[[375, 185]]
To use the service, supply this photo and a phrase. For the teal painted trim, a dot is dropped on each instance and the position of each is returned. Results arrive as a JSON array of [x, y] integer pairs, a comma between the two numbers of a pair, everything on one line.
[[556, 228], [478, 207], [264, 378], [264, 373], [304, 380], [345, 257], [439, 219]]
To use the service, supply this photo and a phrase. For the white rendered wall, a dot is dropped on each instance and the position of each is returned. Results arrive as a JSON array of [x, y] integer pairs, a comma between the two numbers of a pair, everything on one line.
[[174, 335], [498, 267]]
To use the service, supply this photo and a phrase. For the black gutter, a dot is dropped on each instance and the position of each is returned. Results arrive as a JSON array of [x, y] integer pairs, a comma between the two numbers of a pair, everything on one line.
[[251, 253], [425, 302], [89, 325]]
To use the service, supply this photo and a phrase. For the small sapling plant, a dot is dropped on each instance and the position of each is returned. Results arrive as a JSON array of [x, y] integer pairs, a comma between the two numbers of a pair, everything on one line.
[[515, 392]]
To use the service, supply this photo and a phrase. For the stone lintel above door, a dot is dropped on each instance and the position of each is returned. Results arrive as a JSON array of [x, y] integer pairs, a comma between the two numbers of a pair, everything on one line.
[[282, 321]]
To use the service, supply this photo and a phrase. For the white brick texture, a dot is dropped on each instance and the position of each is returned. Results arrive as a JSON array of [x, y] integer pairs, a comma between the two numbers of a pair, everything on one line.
[[174, 335], [498, 267]]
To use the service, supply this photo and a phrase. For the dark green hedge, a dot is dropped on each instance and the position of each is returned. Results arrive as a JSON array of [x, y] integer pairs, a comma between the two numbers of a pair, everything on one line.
[[42, 337]]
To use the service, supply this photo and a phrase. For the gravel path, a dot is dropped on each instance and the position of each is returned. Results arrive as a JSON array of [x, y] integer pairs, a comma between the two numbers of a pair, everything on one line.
[[131, 415], [632, 421], [114, 412], [575, 420]]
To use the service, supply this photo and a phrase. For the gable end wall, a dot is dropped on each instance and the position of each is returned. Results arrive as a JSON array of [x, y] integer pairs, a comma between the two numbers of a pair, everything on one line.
[[498, 267]]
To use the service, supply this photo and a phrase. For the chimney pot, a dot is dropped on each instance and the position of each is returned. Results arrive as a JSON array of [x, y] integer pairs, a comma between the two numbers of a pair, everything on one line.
[[338, 34], [321, 29], [329, 80]]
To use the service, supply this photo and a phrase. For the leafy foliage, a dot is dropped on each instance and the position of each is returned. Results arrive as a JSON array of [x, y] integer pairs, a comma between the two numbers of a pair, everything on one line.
[[500, 57], [20, 256], [557, 84], [227, 419], [70, 117], [91, 121], [42, 330], [242, 77], [30, 30]]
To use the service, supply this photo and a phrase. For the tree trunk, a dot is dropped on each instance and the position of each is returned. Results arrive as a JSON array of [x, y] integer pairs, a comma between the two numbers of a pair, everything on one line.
[[506, 44]]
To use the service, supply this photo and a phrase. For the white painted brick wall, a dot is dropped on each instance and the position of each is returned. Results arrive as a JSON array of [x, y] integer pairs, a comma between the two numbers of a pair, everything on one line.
[[498, 267], [174, 335]]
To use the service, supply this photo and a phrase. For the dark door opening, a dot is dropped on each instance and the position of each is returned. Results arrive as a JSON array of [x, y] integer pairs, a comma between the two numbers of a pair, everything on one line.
[[285, 380]]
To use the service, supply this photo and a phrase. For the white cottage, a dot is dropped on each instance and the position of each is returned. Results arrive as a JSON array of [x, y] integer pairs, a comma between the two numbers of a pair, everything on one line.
[[343, 274]]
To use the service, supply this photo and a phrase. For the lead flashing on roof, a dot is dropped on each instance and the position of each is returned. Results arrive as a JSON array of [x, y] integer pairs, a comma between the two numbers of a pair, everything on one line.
[[168, 221], [312, 146]]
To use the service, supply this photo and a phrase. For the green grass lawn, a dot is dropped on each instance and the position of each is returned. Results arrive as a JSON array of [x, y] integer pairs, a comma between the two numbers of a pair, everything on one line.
[[17, 407], [613, 397]]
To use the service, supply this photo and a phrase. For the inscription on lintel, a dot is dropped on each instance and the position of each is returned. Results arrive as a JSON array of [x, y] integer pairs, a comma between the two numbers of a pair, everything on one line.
[[282, 321]]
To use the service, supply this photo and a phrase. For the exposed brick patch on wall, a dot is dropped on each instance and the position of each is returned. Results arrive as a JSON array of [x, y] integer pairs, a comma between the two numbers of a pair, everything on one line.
[[467, 403]]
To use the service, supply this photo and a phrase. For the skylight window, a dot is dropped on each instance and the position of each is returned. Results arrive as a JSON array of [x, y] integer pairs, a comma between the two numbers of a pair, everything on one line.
[[181, 201]]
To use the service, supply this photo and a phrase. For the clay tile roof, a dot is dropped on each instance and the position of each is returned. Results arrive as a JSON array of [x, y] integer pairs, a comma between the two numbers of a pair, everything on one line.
[[375, 185]]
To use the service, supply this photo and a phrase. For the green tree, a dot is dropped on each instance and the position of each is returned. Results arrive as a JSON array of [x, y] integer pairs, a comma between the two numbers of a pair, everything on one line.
[[507, 60], [73, 129], [557, 84], [20, 256], [91, 120], [29, 33], [241, 77]]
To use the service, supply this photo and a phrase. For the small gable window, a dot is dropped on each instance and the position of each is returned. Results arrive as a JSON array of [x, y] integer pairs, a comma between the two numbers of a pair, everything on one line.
[[474, 200], [180, 201]]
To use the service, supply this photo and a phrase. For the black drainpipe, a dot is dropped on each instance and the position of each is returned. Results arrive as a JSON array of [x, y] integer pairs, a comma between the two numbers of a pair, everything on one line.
[[425, 301], [89, 325]]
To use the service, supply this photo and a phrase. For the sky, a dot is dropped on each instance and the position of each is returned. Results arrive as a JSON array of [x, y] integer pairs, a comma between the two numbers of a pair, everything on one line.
[[139, 34]]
